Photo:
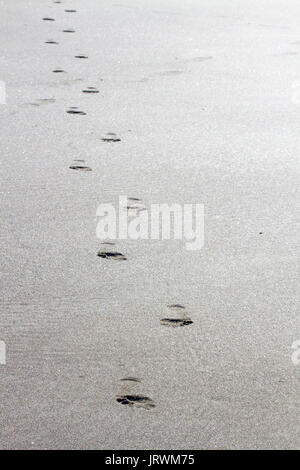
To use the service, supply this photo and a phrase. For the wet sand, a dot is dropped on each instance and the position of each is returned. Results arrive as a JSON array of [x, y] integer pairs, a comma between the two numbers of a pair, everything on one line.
[[202, 99]]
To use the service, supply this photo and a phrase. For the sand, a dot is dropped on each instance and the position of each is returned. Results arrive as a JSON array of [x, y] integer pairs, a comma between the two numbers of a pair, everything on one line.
[[203, 97]]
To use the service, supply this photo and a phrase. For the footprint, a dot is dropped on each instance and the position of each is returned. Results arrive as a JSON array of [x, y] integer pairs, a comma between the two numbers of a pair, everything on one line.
[[126, 397], [135, 204], [130, 379], [90, 89], [46, 100], [180, 317], [80, 168], [125, 6], [171, 72], [201, 58], [81, 56], [111, 137], [75, 110], [139, 401], [108, 253], [176, 306], [284, 54], [48, 19], [175, 322], [111, 255]]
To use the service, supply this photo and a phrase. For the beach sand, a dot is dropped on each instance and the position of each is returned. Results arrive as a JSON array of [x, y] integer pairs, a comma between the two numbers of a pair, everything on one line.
[[203, 97]]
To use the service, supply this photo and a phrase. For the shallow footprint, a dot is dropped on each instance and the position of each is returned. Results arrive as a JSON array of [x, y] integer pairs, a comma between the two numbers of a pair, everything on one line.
[[46, 100], [125, 397], [175, 322], [180, 317], [171, 72]]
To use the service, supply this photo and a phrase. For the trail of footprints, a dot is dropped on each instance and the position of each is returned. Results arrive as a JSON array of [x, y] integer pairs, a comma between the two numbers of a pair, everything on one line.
[[177, 315]]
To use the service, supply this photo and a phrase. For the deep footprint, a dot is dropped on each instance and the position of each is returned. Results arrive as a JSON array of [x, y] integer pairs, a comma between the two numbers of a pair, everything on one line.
[[126, 397], [130, 379], [80, 168], [111, 137], [76, 111], [90, 89], [175, 322], [180, 319], [139, 401], [111, 255]]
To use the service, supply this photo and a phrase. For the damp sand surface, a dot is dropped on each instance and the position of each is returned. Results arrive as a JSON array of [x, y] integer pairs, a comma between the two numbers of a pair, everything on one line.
[[197, 103]]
